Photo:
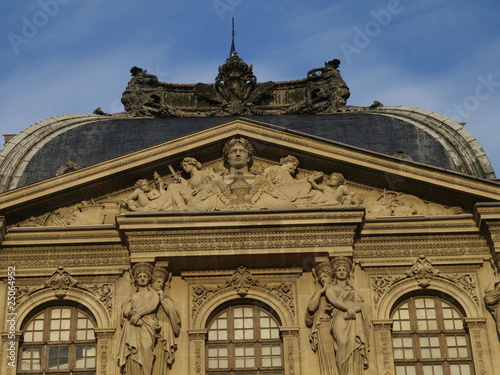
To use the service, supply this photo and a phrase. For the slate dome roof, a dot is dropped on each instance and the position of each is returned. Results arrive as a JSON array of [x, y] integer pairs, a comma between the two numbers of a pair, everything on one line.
[[425, 137]]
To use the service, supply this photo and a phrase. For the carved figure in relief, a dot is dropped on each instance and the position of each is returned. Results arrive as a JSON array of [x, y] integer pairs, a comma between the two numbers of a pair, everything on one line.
[[240, 189], [140, 325], [318, 317], [327, 91], [348, 323], [492, 294], [184, 190], [170, 324], [335, 188], [142, 196], [298, 192]]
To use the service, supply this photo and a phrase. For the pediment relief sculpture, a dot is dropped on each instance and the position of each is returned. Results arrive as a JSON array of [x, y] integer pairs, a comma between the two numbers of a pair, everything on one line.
[[238, 182]]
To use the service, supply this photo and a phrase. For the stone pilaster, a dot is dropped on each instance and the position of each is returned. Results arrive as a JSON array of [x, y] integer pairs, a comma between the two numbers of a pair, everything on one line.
[[382, 347], [481, 353], [105, 360], [291, 350], [196, 354]]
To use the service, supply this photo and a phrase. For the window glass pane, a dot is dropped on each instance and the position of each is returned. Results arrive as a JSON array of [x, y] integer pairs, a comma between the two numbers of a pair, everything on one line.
[[31, 359], [62, 326], [238, 312], [433, 369], [406, 370], [38, 324], [429, 347], [271, 355], [437, 331], [403, 347], [256, 345], [460, 369], [457, 347], [58, 357]]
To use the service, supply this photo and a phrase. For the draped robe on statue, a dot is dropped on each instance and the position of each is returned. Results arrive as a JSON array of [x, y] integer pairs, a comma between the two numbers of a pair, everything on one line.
[[170, 326], [492, 300], [350, 335], [321, 338], [137, 343]]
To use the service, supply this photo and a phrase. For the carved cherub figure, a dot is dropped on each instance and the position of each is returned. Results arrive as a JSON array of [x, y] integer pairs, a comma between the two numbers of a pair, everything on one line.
[[335, 188], [141, 196]]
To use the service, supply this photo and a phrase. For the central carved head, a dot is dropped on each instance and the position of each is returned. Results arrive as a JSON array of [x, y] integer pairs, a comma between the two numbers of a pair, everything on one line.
[[238, 154]]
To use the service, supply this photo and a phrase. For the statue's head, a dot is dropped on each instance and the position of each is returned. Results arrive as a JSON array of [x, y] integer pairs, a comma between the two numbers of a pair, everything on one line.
[[141, 272], [324, 273], [342, 264], [238, 153], [190, 161], [496, 261], [160, 276], [337, 178], [142, 184]]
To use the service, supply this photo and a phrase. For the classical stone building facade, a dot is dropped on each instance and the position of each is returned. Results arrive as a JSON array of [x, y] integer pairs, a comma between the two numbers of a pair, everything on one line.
[[249, 228]]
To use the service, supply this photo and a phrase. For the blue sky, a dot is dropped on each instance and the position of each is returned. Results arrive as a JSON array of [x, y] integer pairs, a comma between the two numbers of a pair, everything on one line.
[[69, 56]]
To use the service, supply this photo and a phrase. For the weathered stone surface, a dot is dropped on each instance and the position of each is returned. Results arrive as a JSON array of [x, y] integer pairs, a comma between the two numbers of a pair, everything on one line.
[[237, 92]]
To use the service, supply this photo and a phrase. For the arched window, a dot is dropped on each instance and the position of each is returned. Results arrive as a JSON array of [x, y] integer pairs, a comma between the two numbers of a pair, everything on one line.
[[429, 338], [244, 339], [59, 340]]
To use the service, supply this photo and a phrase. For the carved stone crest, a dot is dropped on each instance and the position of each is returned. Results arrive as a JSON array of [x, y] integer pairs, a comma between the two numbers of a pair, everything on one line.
[[236, 92], [60, 281]]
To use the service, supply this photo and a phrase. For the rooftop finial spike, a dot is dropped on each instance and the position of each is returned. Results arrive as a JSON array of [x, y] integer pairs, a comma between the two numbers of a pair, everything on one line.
[[233, 48]]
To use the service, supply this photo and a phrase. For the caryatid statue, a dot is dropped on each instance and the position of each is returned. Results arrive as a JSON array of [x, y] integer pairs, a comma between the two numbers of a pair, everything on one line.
[[170, 324]]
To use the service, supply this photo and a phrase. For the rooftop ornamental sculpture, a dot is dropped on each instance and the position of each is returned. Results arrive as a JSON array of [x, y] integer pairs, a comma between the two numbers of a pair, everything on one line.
[[236, 92]]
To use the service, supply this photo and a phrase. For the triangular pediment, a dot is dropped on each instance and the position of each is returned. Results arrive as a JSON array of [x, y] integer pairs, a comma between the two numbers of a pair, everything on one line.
[[384, 185]]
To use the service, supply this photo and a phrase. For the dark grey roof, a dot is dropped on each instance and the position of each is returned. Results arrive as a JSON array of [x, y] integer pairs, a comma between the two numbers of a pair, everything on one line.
[[98, 141]]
